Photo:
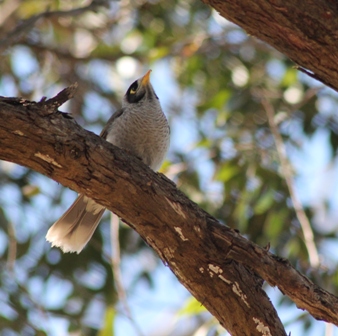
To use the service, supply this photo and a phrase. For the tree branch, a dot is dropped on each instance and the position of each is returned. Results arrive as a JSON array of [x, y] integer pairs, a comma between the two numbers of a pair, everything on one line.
[[217, 265], [305, 31], [28, 24]]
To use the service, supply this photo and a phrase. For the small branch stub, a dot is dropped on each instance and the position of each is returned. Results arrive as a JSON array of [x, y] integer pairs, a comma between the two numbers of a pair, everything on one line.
[[52, 104]]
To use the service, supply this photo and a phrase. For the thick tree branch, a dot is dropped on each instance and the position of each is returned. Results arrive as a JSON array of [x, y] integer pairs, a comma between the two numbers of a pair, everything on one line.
[[216, 264], [176, 228], [305, 31]]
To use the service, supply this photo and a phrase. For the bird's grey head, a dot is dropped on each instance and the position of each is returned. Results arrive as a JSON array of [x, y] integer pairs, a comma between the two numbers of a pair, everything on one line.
[[140, 92]]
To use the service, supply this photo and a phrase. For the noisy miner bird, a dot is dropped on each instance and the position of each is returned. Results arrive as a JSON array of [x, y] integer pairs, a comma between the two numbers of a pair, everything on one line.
[[141, 128]]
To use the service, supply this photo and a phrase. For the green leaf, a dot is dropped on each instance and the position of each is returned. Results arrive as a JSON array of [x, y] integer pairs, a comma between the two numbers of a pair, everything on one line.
[[158, 53], [290, 77], [274, 223], [226, 172], [109, 318], [30, 190], [192, 307], [264, 203]]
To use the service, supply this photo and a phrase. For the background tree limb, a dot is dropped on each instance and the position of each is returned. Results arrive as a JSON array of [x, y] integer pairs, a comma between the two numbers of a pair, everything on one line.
[[305, 31], [25, 26]]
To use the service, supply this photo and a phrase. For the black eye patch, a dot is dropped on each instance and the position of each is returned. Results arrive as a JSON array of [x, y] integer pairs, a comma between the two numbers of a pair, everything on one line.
[[133, 96], [132, 88]]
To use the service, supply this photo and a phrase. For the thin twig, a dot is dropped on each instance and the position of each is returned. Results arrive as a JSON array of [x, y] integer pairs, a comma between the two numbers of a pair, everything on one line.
[[63, 96], [315, 76], [12, 247], [287, 173], [116, 262], [328, 329]]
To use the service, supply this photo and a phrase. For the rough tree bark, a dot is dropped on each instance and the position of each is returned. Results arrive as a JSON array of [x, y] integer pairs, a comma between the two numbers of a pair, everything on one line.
[[305, 31], [219, 267]]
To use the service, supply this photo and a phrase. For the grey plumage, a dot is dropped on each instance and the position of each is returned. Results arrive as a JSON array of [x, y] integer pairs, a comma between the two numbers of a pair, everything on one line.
[[141, 128]]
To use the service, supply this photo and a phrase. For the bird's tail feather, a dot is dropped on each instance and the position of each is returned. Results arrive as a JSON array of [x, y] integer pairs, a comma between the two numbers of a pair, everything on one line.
[[75, 228]]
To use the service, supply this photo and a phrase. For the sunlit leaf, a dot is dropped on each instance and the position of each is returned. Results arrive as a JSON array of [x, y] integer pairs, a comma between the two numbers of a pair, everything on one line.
[[290, 77], [191, 307], [226, 172], [108, 326], [264, 202]]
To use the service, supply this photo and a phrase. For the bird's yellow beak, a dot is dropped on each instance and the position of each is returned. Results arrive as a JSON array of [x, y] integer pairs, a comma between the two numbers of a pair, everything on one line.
[[146, 79]]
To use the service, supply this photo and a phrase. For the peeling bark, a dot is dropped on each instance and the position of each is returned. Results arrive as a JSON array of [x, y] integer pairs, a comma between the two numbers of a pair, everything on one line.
[[222, 269]]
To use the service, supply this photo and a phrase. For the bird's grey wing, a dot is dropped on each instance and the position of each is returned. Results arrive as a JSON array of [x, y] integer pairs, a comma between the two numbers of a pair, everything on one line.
[[74, 229], [111, 120]]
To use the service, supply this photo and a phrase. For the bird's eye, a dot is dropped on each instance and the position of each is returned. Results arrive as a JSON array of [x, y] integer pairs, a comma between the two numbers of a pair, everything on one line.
[[135, 93], [133, 88]]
